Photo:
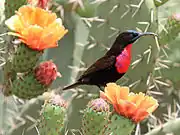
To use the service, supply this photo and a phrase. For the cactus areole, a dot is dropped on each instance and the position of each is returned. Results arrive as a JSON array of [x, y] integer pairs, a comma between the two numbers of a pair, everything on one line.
[[114, 64]]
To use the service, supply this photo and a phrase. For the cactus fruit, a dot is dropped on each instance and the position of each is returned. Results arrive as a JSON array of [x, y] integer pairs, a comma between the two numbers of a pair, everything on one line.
[[36, 82], [172, 29], [52, 116], [95, 117], [119, 125], [24, 59]]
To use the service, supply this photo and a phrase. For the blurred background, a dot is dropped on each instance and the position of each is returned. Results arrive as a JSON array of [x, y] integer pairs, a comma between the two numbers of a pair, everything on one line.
[[93, 26]]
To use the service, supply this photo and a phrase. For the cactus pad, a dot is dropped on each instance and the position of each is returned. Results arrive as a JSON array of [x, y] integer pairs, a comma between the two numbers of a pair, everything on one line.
[[27, 87], [173, 28], [12, 5], [52, 116], [9, 75], [119, 125], [35, 83], [25, 58]]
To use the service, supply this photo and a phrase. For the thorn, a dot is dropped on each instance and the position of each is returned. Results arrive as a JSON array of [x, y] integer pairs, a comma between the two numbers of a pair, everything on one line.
[[125, 13], [165, 53], [162, 83], [156, 93], [136, 62], [80, 44], [149, 54], [163, 65], [91, 46], [151, 87], [156, 85], [157, 43], [135, 83], [152, 15], [116, 31], [114, 8], [86, 22], [145, 23], [137, 6], [148, 79]]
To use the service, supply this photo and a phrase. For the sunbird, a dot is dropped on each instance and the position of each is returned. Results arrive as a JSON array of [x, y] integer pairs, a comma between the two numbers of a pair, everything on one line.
[[114, 64]]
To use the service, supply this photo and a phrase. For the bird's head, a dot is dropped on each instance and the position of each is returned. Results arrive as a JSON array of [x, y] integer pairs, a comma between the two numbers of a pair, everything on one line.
[[130, 36], [126, 38]]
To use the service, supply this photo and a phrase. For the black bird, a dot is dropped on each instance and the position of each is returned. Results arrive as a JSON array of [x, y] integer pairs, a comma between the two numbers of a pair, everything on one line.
[[113, 65]]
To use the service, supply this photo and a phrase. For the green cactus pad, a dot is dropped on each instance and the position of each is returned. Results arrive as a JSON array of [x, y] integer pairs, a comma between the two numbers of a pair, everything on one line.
[[160, 2], [52, 118], [119, 125], [35, 82], [24, 59], [173, 28], [88, 9], [27, 87], [12, 5], [9, 76], [95, 117]]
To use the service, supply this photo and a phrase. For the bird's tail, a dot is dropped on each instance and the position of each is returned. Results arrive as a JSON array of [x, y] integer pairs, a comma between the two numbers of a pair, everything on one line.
[[72, 86]]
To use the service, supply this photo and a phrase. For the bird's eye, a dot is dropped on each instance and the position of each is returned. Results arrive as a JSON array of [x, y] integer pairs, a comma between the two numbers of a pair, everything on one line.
[[134, 34]]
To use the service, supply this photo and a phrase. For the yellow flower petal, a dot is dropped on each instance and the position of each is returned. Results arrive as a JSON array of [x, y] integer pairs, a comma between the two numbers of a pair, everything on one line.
[[13, 23], [124, 91], [110, 92]]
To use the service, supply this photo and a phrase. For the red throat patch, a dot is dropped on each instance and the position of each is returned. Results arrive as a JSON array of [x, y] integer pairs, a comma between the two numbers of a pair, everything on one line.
[[123, 60]]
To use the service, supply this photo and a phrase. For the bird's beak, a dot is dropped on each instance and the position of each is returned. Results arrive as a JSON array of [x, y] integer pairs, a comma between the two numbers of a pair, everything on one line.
[[144, 34], [147, 33]]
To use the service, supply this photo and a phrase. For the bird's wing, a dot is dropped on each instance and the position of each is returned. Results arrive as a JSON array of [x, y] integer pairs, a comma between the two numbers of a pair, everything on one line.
[[101, 64]]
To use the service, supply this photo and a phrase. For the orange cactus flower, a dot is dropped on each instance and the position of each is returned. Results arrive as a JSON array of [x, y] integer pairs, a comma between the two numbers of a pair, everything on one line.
[[134, 106], [37, 28]]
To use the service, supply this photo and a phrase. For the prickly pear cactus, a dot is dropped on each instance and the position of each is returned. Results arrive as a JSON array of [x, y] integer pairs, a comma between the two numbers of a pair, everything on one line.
[[169, 56], [172, 29], [34, 83], [95, 117], [107, 18], [9, 77], [10, 8], [119, 125], [53, 116]]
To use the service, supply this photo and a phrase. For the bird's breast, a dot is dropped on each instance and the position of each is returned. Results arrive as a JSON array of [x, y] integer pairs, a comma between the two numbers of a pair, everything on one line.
[[123, 60]]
